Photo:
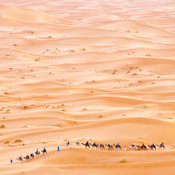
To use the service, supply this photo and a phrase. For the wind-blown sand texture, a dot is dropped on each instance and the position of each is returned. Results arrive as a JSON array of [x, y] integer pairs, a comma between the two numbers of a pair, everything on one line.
[[99, 70]]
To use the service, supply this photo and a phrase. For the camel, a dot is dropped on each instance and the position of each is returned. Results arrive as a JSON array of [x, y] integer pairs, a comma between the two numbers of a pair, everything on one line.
[[161, 145], [152, 146], [94, 145], [133, 147], [86, 144], [101, 146], [118, 146], [32, 155], [27, 157], [142, 147], [20, 158], [44, 151], [37, 152], [109, 146]]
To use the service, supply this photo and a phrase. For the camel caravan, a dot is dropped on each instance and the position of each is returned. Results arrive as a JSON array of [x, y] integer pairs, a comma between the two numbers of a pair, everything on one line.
[[109, 146], [32, 155]]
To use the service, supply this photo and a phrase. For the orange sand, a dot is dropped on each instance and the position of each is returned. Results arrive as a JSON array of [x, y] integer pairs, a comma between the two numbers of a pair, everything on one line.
[[87, 70]]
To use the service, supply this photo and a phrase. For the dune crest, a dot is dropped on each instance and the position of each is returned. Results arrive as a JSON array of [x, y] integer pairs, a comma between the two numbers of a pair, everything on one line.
[[29, 15]]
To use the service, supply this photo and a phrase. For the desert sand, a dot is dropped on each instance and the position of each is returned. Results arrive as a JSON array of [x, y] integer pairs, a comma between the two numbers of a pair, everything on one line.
[[94, 70]]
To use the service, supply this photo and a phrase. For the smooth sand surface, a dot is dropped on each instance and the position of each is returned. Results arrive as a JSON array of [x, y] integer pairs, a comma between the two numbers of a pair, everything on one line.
[[99, 70]]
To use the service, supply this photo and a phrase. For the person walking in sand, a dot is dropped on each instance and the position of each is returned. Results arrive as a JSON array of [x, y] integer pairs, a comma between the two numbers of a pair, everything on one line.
[[125, 149], [11, 161], [77, 143]]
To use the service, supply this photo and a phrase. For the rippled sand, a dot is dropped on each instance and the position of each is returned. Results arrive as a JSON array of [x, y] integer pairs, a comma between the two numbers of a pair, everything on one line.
[[101, 71]]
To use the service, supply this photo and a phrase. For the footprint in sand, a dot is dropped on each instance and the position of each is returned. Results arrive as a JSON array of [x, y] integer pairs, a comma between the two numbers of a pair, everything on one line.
[[72, 51], [84, 109], [114, 71]]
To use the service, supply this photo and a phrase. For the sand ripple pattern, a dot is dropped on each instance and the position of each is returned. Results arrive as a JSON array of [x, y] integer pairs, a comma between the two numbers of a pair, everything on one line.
[[96, 70]]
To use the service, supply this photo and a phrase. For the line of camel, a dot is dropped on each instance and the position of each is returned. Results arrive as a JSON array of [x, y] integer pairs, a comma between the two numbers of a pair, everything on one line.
[[32, 155], [109, 146], [118, 146]]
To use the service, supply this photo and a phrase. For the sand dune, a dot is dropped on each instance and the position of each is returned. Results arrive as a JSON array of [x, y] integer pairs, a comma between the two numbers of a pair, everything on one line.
[[88, 70], [28, 15]]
